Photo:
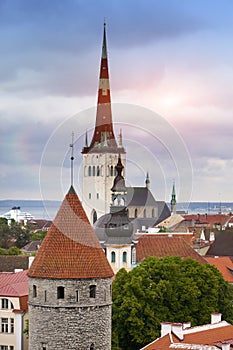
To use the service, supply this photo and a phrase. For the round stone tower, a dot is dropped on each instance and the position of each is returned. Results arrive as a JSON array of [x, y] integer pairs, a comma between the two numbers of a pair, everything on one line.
[[70, 285]]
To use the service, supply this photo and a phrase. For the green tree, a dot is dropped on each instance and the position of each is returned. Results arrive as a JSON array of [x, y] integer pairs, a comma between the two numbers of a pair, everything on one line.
[[14, 251], [168, 289], [20, 234], [5, 237]]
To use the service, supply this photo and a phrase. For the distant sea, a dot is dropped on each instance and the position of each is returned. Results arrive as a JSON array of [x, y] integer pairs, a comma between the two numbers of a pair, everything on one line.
[[48, 209]]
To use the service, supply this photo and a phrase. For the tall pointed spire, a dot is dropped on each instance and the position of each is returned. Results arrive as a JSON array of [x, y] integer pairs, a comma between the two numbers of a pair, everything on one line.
[[147, 180], [173, 200], [104, 114]]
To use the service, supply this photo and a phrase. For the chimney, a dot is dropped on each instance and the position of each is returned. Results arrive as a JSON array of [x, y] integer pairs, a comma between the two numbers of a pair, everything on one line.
[[165, 328], [186, 325], [226, 346], [177, 329], [216, 318]]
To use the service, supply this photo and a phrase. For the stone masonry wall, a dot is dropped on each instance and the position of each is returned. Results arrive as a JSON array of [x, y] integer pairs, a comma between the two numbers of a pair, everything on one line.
[[67, 324]]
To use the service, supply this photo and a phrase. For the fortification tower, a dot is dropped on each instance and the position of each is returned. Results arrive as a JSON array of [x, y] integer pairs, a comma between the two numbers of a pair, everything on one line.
[[70, 285], [99, 158]]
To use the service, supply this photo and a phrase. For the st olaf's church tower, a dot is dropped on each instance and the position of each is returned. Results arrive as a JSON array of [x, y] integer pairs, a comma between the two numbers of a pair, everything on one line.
[[100, 156]]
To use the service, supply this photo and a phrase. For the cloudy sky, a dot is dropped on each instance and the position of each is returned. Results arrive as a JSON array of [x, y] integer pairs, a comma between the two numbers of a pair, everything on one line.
[[171, 75]]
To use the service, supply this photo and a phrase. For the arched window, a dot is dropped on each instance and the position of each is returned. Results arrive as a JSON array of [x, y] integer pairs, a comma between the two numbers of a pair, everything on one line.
[[124, 257], [89, 170], [94, 216], [134, 255], [60, 292], [113, 257], [93, 170], [136, 213], [144, 213], [92, 291], [92, 347], [153, 213], [111, 170], [34, 291], [98, 170]]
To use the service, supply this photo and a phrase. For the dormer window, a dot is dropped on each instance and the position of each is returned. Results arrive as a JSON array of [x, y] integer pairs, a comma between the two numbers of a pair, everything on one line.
[[5, 303]]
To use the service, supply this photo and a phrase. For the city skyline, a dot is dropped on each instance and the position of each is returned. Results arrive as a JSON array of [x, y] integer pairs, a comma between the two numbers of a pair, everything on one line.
[[170, 61]]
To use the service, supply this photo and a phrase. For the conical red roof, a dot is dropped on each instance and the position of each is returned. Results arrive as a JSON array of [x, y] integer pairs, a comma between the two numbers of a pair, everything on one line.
[[71, 248]]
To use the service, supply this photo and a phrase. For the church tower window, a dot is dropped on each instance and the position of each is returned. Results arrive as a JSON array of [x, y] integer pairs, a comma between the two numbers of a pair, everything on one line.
[[89, 170], [144, 213], [93, 171], [153, 213], [98, 170], [111, 171], [136, 213], [113, 257]]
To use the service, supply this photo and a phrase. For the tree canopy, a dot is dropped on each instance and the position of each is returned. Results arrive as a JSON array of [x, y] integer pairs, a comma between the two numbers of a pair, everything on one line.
[[168, 289]]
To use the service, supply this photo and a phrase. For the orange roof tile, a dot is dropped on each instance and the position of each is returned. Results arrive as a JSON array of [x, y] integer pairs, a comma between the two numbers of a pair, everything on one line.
[[161, 246], [14, 284], [224, 265], [71, 248]]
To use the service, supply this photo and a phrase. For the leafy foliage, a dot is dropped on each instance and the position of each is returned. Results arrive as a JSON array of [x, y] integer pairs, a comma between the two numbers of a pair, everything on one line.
[[168, 289]]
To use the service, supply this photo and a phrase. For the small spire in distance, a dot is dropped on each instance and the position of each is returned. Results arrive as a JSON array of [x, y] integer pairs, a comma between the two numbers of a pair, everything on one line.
[[147, 180], [86, 139], [120, 138]]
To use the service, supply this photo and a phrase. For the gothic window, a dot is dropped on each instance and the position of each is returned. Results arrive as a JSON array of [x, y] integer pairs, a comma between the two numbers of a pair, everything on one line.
[[92, 347], [134, 255], [92, 291], [89, 170], [111, 170], [34, 291], [5, 303], [98, 170], [94, 216], [144, 213], [4, 325], [124, 257], [153, 213], [60, 292], [136, 213], [113, 257], [93, 171]]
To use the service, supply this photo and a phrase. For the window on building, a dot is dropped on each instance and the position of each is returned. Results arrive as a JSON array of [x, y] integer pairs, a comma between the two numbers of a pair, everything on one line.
[[92, 347], [97, 195], [94, 216], [89, 170], [93, 170], [45, 295], [98, 171], [4, 347], [12, 325], [144, 213], [11, 347], [5, 303], [113, 257], [34, 291], [4, 325], [89, 195], [43, 346], [77, 296], [92, 291], [134, 255], [60, 292], [111, 170], [153, 213], [124, 257], [136, 213], [12, 306]]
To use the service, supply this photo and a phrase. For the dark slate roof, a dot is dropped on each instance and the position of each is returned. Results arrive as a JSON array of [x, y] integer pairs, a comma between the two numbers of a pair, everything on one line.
[[139, 196], [223, 244], [163, 211], [31, 246], [8, 263]]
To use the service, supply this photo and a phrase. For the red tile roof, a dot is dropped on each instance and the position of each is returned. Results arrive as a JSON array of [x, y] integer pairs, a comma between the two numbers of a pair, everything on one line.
[[224, 264], [209, 219], [71, 248], [203, 335], [14, 284], [161, 246]]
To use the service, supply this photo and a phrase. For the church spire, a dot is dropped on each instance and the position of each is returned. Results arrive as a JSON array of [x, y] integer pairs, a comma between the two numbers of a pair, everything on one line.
[[147, 180], [104, 114], [173, 200]]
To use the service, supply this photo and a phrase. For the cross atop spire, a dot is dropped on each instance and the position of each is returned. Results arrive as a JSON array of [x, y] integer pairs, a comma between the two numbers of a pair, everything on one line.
[[103, 126]]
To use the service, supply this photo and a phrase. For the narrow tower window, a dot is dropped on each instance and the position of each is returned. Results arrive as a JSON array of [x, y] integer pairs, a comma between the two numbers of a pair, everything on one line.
[[153, 213], [89, 170], [124, 257], [60, 292], [98, 171], [92, 291], [144, 213], [111, 170], [34, 291], [136, 213], [94, 216], [113, 257], [93, 171], [92, 347], [77, 296]]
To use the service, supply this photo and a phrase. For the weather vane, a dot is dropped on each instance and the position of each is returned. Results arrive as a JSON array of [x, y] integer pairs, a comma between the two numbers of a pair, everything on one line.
[[72, 158]]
